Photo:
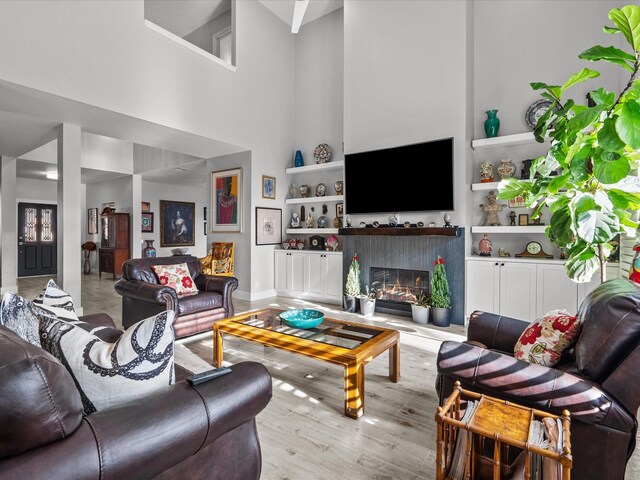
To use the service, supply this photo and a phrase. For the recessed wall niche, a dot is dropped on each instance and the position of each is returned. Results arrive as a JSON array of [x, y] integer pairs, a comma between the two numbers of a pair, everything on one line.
[[206, 25]]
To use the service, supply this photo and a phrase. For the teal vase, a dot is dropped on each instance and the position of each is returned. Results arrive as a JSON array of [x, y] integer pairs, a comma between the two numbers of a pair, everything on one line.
[[298, 161], [492, 124]]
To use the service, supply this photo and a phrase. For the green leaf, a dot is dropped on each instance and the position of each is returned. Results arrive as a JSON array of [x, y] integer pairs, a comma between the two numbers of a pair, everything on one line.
[[582, 76], [610, 167], [511, 188], [543, 124], [603, 97], [628, 124], [594, 226], [586, 117], [581, 265], [609, 54], [610, 30], [554, 90], [561, 225], [624, 200], [608, 137], [559, 182], [583, 202], [627, 19]]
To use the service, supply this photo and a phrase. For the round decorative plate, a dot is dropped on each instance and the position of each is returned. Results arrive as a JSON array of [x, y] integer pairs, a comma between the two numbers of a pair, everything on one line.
[[302, 318], [322, 153], [535, 111]]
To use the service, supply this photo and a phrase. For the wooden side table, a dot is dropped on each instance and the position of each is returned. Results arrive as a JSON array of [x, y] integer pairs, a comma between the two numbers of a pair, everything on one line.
[[496, 423]]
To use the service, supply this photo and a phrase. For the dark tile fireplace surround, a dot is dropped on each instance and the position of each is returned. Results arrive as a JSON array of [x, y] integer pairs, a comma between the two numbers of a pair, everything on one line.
[[400, 261]]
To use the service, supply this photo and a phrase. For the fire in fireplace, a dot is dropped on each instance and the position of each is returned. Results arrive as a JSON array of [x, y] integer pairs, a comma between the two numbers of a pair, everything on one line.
[[395, 288]]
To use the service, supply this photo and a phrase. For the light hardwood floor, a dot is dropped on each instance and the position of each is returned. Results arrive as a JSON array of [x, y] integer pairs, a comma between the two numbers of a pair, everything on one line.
[[303, 431]]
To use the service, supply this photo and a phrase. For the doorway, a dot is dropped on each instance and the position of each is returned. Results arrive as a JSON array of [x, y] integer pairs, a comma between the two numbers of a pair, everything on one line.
[[37, 239]]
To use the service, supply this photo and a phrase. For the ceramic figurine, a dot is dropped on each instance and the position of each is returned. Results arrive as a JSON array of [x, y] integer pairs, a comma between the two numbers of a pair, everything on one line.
[[348, 221], [503, 253], [332, 241], [485, 246], [339, 187], [337, 222], [321, 189], [295, 220], [506, 169], [447, 219], [492, 208], [304, 191], [512, 218], [309, 222], [486, 172]]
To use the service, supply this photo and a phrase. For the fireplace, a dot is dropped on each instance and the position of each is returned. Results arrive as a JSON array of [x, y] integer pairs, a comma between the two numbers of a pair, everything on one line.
[[395, 288]]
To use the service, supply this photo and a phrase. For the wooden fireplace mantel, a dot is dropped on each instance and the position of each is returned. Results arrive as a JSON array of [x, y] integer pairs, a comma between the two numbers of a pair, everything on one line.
[[404, 231]]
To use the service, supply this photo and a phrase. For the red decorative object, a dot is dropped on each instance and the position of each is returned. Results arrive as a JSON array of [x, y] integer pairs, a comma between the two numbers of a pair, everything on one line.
[[634, 271]]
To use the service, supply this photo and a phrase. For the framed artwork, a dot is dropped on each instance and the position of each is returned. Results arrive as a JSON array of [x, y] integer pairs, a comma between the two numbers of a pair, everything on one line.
[[176, 223], [147, 222], [145, 206], [523, 219], [92, 221], [339, 210], [517, 202], [226, 201], [268, 226], [268, 187]]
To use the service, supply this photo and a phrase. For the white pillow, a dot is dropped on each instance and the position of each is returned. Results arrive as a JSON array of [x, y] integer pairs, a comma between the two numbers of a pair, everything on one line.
[[57, 301], [108, 374]]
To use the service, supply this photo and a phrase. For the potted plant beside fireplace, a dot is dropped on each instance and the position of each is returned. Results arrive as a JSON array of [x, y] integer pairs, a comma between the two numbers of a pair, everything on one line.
[[420, 308], [367, 302], [352, 286], [440, 295]]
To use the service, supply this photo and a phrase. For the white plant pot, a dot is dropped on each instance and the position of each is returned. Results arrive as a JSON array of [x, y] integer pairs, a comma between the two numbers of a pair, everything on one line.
[[367, 306], [420, 314]]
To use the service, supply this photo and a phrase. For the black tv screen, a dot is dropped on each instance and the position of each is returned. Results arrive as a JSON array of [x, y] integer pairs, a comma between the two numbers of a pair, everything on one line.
[[408, 178]]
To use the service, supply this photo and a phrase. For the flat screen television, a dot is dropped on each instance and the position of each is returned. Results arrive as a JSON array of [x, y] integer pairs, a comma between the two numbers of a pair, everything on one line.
[[407, 178]]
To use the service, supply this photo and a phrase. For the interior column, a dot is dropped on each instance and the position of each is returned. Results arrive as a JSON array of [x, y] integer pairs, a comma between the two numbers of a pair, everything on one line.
[[136, 217], [9, 222], [69, 214]]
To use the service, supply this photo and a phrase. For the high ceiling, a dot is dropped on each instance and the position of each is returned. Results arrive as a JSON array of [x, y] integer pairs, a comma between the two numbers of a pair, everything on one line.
[[283, 9]]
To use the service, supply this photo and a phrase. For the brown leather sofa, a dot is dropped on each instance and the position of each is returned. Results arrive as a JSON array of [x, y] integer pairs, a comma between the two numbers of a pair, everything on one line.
[[206, 431], [598, 381], [143, 296]]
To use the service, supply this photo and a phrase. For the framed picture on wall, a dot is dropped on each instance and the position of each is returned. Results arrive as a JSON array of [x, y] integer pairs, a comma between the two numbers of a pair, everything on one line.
[[176, 223], [268, 226], [92, 221], [339, 210], [226, 201], [145, 206], [268, 187], [147, 222]]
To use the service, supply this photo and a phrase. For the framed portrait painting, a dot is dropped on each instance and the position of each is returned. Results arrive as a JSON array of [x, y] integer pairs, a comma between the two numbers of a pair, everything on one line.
[[268, 187], [226, 201], [147, 222], [268, 226], [177, 223]]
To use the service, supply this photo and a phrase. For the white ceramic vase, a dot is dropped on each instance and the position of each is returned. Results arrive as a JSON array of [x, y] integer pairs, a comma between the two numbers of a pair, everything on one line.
[[367, 306], [420, 314]]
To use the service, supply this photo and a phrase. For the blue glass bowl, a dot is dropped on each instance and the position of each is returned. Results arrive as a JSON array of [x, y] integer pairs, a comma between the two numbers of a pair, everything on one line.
[[302, 318]]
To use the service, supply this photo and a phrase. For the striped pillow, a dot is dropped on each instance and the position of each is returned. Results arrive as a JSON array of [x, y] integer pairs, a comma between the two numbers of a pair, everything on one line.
[[57, 301]]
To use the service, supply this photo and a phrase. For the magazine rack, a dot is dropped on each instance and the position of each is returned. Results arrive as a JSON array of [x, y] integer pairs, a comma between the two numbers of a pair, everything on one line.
[[497, 425]]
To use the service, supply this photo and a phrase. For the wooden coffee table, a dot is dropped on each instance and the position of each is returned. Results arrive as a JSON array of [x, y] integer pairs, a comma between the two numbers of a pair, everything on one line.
[[349, 344]]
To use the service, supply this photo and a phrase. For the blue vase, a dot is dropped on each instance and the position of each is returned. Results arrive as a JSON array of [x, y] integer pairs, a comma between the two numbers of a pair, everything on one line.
[[298, 162], [491, 124]]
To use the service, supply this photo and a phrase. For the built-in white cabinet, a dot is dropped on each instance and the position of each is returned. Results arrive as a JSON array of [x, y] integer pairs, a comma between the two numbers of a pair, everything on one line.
[[308, 274], [523, 288]]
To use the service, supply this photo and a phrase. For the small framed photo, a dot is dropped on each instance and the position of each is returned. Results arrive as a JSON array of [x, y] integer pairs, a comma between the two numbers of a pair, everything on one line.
[[268, 187], [92, 221], [523, 219], [339, 210], [145, 206], [268, 226], [147, 222], [517, 202]]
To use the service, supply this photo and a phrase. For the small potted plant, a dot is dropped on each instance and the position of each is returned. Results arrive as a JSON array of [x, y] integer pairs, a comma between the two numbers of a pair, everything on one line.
[[352, 287], [440, 295], [367, 302], [420, 308]]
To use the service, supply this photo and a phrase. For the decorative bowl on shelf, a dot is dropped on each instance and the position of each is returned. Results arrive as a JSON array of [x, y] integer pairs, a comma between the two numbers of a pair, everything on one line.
[[179, 251], [302, 318]]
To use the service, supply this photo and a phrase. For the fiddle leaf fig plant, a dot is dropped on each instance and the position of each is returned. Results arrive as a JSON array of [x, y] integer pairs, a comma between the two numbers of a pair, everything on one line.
[[589, 176]]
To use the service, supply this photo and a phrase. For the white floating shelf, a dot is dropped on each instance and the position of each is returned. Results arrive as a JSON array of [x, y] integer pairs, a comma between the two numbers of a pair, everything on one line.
[[476, 187], [504, 140], [311, 231], [509, 229], [316, 167], [328, 198]]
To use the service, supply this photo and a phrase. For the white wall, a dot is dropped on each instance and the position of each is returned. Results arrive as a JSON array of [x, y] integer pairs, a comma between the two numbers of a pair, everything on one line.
[[405, 71], [203, 36], [31, 189]]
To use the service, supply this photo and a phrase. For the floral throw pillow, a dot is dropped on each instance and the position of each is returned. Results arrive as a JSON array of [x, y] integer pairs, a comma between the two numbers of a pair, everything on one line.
[[545, 340], [176, 276]]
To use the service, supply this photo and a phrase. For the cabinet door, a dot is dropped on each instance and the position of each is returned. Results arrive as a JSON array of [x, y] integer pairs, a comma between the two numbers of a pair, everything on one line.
[[296, 273], [482, 287], [555, 290], [333, 278], [280, 271], [315, 274], [518, 290]]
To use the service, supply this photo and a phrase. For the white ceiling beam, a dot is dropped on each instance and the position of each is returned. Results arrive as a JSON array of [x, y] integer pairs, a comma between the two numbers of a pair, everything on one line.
[[299, 7]]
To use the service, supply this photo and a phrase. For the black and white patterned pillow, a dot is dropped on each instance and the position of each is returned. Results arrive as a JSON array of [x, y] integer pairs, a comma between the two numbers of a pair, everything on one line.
[[108, 374], [22, 316], [57, 301]]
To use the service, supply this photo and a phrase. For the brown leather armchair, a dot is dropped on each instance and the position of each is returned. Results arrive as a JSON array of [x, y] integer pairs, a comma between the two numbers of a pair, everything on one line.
[[206, 431], [598, 381], [143, 296]]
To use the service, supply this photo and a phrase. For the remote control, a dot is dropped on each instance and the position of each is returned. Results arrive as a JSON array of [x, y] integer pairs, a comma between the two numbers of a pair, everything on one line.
[[198, 378]]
